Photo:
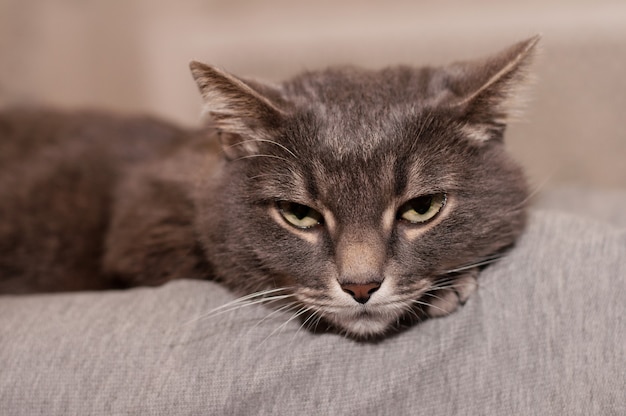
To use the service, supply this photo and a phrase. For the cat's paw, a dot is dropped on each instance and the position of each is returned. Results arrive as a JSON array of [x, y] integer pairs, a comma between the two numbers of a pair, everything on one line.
[[444, 301]]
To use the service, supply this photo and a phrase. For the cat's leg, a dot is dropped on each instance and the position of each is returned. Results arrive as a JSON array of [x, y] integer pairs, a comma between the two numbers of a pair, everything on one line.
[[453, 294]]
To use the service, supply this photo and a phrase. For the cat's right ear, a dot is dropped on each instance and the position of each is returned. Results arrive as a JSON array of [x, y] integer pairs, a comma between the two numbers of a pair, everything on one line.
[[242, 115], [483, 92]]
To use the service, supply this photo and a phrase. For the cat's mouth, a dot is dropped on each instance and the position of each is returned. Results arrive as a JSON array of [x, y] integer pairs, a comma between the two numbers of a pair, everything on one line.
[[371, 319], [362, 321]]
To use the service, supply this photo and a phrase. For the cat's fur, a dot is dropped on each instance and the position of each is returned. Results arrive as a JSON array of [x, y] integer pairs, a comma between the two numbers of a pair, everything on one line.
[[92, 201]]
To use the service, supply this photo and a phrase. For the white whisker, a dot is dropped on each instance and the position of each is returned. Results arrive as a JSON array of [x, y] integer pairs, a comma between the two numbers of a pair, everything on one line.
[[272, 175], [445, 285], [303, 325], [486, 261], [300, 311], [284, 308], [260, 155], [418, 302], [408, 308], [320, 316], [269, 299], [537, 188], [243, 142], [248, 300], [432, 295]]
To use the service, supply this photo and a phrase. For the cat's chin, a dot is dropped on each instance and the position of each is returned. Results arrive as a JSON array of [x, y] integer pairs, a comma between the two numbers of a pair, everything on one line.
[[363, 326]]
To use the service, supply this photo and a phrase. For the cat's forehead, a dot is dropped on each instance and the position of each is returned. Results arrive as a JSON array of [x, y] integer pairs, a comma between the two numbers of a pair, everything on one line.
[[360, 111], [351, 87]]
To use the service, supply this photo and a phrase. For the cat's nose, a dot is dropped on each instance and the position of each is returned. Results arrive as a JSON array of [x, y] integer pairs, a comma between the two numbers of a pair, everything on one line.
[[361, 292]]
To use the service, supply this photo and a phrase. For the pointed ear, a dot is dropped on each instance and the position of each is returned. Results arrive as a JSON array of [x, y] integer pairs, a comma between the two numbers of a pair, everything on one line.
[[242, 115], [482, 91]]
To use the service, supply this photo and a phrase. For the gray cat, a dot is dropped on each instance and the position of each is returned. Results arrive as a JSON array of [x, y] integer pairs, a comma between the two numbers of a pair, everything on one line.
[[358, 199]]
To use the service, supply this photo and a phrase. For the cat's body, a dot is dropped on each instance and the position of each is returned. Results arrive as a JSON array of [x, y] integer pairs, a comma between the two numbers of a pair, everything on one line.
[[62, 177], [357, 197]]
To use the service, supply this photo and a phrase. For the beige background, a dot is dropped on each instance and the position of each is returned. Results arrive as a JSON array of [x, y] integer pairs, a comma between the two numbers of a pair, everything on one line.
[[132, 56]]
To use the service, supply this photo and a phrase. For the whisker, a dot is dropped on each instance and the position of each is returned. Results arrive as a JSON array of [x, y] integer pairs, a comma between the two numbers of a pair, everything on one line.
[[269, 299], [250, 296], [300, 311], [318, 320], [418, 302], [486, 261], [260, 155], [265, 141], [408, 307], [432, 295], [446, 286], [303, 325], [313, 315], [244, 301], [262, 175], [537, 188], [284, 308]]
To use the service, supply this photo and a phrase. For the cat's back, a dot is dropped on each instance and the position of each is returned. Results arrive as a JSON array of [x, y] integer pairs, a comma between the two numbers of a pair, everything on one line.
[[58, 172], [29, 132], [56, 154]]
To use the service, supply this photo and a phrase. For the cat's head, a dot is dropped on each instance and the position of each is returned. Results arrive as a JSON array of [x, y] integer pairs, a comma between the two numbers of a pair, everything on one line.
[[361, 191]]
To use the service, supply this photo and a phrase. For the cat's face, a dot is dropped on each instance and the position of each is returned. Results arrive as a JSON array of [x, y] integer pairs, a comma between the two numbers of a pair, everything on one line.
[[367, 196]]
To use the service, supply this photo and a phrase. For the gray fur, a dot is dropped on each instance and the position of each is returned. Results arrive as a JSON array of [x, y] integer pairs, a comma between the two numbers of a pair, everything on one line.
[[352, 144]]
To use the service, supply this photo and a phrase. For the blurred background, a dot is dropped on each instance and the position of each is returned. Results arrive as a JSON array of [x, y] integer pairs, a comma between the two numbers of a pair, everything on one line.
[[132, 56]]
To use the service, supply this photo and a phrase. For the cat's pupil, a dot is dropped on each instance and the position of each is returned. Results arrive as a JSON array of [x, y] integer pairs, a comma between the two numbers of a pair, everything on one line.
[[421, 209], [422, 204], [300, 216], [300, 211]]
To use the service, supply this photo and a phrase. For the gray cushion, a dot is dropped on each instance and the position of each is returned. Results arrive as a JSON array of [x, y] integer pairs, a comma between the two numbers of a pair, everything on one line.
[[544, 335]]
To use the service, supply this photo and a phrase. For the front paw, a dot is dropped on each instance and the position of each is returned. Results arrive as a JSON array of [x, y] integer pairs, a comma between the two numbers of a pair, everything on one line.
[[448, 296]]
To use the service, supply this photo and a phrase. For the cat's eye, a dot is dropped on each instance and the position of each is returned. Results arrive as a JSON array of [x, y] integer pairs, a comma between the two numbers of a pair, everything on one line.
[[300, 216], [421, 209]]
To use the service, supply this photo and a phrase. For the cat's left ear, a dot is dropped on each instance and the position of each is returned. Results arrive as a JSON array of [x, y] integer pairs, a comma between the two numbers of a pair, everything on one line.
[[242, 113], [483, 92]]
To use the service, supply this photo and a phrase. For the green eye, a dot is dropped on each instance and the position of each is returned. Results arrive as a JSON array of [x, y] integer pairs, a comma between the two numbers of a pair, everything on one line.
[[299, 215], [422, 208]]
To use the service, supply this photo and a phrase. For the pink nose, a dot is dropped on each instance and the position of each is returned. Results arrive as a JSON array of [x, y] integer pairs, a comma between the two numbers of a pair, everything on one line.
[[361, 292]]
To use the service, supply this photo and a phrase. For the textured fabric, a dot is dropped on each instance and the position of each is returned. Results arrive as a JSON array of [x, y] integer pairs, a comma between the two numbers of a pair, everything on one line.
[[544, 335]]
